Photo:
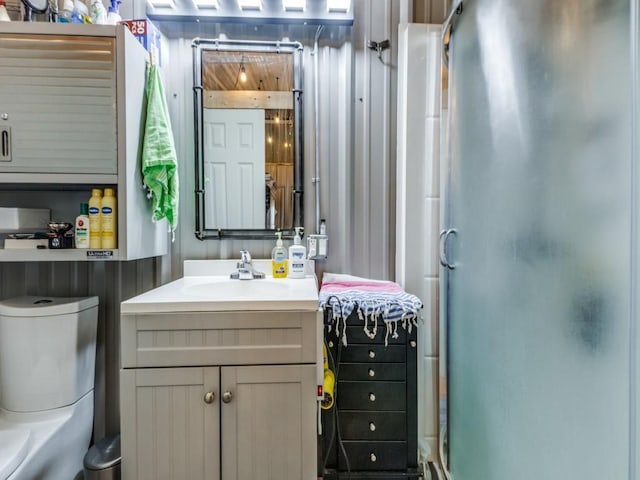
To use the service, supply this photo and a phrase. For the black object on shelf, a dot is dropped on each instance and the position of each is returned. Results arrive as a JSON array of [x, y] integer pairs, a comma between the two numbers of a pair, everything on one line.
[[371, 431]]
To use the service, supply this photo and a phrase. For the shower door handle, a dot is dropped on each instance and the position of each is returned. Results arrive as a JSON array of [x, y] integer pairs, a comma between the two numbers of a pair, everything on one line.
[[447, 29], [444, 237]]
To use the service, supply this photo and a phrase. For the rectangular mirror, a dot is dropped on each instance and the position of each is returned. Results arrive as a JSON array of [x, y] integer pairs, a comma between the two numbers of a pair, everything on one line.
[[248, 138]]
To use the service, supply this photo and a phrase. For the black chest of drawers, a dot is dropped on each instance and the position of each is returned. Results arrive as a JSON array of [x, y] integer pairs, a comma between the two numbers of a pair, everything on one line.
[[371, 431]]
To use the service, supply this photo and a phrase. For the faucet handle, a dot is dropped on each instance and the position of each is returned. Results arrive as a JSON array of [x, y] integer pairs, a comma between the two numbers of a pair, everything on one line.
[[245, 256]]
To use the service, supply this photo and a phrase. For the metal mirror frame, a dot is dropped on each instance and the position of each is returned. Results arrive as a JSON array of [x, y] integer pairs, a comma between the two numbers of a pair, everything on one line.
[[295, 49]]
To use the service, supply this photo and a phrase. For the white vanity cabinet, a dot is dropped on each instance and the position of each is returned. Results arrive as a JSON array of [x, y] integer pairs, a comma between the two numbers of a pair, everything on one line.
[[227, 395], [71, 119]]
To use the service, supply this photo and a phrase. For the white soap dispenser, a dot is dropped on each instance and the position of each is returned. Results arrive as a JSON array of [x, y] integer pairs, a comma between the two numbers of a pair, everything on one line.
[[297, 256]]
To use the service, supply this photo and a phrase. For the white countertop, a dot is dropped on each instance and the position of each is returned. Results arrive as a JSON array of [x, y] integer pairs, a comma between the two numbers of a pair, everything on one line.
[[205, 288]]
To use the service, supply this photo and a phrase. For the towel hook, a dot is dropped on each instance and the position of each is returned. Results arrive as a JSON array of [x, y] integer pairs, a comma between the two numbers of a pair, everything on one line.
[[379, 47]]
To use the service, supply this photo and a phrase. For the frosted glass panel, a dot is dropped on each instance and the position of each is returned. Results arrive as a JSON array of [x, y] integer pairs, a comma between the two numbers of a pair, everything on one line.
[[540, 193]]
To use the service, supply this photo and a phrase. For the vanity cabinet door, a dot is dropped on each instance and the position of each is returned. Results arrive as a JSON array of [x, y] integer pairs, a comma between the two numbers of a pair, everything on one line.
[[170, 425], [268, 422]]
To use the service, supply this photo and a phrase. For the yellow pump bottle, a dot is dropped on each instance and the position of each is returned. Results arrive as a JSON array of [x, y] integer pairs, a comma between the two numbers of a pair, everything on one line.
[[95, 202], [279, 263], [109, 217]]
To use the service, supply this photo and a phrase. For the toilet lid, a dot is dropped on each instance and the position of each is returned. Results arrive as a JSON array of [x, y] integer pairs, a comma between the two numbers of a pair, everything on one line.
[[14, 443]]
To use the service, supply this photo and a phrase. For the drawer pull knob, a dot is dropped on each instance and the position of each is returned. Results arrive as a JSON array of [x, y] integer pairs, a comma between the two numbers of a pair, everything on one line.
[[413, 343], [372, 397], [372, 354], [372, 372], [330, 344], [372, 426], [373, 457], [227, 397], [209, 397]]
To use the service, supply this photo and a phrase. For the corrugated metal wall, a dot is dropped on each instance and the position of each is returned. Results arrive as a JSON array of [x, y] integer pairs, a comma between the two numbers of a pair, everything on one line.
[[357, 140], [357, 145]]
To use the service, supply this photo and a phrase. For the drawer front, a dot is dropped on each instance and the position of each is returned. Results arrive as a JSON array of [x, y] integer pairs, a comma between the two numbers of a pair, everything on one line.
[[218, 338], [377, 456], [373, 353], [372, 396], [373, 425], [373, 371], [355, 335]]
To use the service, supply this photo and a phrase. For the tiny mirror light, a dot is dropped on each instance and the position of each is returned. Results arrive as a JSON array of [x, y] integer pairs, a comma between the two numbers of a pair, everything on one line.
[[243, 74], [250, 4], [294, 5], [338, 5], [206, 3]]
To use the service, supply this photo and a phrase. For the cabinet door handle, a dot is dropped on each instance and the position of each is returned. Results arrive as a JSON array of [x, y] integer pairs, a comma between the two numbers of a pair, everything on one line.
[[372, 354], [209, 397], [5, 152], [372, 372], [372, 397], [373, 457], [227, 397], [372, 426]]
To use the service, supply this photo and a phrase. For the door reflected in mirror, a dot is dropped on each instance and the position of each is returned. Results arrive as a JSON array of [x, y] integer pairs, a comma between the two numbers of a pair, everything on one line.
[[248, 163]]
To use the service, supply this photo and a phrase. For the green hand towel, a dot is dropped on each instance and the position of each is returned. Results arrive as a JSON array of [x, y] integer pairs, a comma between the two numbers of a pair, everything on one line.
[[159, 160]]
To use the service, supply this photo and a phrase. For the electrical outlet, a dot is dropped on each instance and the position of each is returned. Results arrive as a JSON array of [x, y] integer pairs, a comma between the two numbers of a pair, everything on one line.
[[317, 247]]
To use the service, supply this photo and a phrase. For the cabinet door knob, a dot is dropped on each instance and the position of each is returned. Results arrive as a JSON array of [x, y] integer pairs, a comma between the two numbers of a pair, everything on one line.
[[209, 397], [372, 354], [413, 343], [372, 426], [373, 457], [227, 397], [372, 397], [372, 372]]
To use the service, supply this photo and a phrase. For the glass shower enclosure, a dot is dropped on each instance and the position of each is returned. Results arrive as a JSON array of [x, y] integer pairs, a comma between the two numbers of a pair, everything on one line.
[[540, 241]]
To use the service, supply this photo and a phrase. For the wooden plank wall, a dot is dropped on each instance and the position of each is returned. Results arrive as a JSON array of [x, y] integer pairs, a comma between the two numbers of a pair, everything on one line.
[[430, 11]]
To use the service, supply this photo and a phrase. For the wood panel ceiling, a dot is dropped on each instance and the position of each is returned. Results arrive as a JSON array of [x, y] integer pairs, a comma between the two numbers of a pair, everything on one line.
[[265, 71]]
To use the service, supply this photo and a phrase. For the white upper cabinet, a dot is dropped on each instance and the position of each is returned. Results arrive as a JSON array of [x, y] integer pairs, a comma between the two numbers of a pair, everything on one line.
[[71, 119], [58, 103]]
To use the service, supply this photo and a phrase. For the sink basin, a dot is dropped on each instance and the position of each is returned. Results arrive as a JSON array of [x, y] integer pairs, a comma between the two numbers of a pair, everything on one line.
[[248, 289], [206, 286]]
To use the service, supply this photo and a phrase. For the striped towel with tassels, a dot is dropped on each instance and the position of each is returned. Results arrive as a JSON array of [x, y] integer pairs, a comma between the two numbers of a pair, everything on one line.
[[373, 301]]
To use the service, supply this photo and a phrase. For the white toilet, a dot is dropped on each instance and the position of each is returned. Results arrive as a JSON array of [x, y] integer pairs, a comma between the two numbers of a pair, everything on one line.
[[47, 360]]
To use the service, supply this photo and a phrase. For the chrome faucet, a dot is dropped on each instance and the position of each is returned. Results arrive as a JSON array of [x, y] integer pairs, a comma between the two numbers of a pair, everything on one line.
[[245, 270]]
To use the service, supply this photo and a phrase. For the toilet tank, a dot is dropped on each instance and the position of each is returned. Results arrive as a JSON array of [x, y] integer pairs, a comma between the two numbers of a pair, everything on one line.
[[47, 351]]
